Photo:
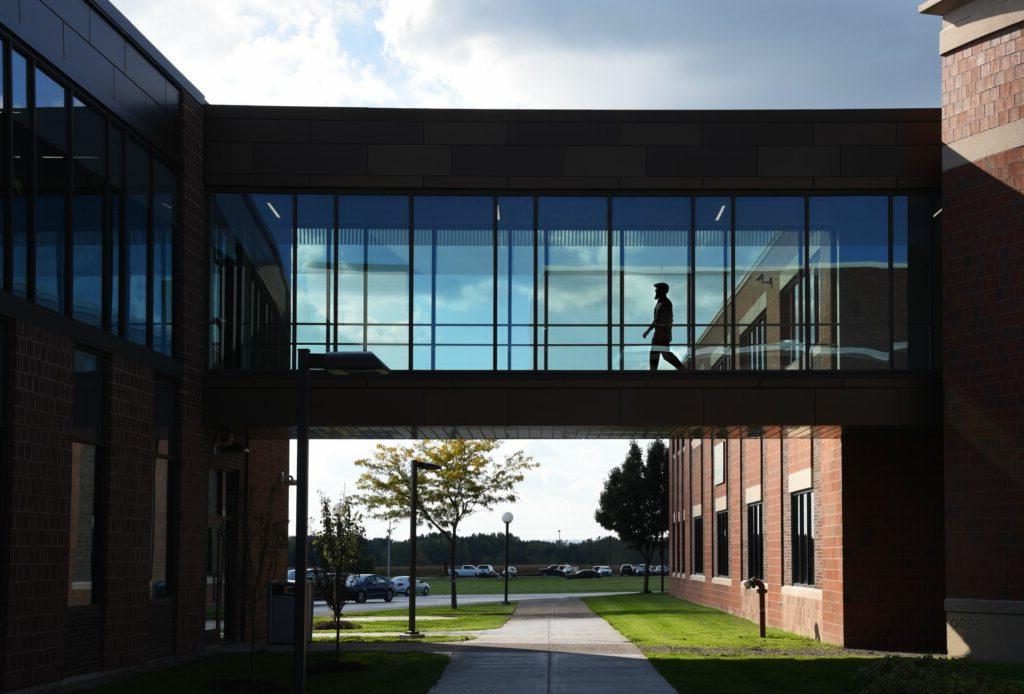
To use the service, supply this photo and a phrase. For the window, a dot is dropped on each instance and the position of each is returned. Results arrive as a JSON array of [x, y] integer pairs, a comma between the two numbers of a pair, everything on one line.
[[755, 540], [374, 276], [722, 543], [86, 427], [718, 462], [164, 197], [849, 261], [89, 148], [712, 270], [698, 545], [163, 429], [516, 262], [487, 282], [51, 190], [802, 538], [21, 182], [572, 283], [453, 282], [769, 254], [650, 243]]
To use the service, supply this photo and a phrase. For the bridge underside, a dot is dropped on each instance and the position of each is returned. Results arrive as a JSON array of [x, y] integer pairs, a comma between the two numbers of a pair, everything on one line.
[[567, 405]]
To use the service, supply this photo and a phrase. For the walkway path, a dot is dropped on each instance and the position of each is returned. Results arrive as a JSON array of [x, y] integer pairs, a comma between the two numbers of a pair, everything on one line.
[[551, 646]]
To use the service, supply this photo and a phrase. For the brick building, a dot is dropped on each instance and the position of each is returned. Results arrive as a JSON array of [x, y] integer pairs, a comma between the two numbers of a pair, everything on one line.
[[163, 260]]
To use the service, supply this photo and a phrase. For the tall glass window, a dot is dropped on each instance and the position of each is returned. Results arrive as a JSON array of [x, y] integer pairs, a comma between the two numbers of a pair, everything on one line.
[[137, 240], [453, 282], [89, 150], [163, 447], [573, 282], [51, 191], [86, 427], [516, 265], [769, 252], [21, 182], [712, 271], [116, 229], [849, 287], [373, 277], [314, 286], [914, 226], [164, 198], [650, 243]]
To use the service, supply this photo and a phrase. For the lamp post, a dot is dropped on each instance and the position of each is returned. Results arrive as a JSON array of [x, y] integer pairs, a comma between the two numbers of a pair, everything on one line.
[[506, 518], [416, 466], [339, 364]]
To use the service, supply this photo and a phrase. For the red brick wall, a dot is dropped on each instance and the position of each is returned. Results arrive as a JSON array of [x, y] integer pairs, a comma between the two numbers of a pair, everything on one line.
[[982, 86], [983, 310], [36, 510], [893, 539]]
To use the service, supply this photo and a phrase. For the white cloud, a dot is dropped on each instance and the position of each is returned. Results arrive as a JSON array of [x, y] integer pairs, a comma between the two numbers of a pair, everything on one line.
[[544, 54]]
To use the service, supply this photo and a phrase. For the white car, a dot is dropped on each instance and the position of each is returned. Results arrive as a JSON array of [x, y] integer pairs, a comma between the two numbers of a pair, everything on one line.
[[402, 586], [466, 571], [512, 572], [486, 571], [567, 569], [603, 570]]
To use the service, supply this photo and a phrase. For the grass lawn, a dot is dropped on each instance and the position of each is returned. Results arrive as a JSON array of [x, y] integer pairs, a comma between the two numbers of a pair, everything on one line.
[[380, 673], [698, 648], [466, 618], [544, 584]]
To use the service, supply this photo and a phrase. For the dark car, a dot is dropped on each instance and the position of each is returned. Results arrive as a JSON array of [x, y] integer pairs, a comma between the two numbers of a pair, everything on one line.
[[626, 570], [363, 587], [550, 570], [585, 573]]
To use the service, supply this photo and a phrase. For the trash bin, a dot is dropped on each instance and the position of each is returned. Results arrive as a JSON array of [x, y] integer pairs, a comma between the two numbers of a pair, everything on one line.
[[281, 612]]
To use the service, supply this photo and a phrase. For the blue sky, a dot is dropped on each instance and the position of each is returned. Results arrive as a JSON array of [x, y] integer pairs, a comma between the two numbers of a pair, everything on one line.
[[551, 53], [685, 54]]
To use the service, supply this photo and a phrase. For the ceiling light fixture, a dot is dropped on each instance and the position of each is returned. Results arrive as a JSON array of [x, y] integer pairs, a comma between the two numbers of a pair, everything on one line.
[[273, 210], [937, 213], [721, 211]]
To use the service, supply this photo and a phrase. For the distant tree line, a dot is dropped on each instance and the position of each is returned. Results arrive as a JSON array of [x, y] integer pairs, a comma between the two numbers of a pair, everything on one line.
[[490, 549]]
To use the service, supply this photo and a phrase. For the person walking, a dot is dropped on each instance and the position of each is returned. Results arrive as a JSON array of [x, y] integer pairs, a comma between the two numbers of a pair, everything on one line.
[[662, 327]]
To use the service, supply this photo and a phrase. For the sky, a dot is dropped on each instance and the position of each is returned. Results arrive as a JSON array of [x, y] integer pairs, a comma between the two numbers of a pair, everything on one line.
[[682, 54], [581, 54]]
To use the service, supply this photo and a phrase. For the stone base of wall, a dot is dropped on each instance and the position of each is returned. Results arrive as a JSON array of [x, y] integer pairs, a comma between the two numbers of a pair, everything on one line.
[[985, 629]]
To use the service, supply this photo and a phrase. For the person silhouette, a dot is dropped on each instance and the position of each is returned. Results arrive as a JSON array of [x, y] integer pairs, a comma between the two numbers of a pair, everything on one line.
[[662, 327]]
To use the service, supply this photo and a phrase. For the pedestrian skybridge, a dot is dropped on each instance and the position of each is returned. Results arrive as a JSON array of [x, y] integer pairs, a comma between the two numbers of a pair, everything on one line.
[[551, 283]]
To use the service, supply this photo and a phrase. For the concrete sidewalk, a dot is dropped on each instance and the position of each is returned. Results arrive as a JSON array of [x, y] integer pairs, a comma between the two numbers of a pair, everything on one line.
[[552, 646]]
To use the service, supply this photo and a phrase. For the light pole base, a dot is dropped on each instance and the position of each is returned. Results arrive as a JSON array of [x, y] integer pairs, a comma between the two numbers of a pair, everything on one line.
[[411, 635]]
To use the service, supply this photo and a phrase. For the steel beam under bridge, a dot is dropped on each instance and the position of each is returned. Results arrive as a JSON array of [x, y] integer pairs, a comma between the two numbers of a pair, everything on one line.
[[567, 404]]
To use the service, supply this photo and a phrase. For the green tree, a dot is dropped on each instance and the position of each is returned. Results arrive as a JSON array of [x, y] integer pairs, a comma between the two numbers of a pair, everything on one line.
[[470, 480], [339, 543], [634, 501]]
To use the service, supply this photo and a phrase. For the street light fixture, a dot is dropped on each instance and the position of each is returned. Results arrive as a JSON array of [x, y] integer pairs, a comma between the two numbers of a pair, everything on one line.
[[506, 518], [335, 363], [416, 466]]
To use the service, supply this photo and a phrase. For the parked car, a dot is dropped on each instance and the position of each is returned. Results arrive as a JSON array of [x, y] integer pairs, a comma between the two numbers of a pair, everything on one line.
[[640, 569], [466, 571], [319, 580], [663, 570], [486, 571], [626, 570], [566, 569], [402, 586], [550, 570], [512, 572], [603, 570], [585, 573], [363, 587]]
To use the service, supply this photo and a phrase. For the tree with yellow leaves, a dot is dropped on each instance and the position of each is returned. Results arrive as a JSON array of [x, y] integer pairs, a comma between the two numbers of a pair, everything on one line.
[[470, 480]]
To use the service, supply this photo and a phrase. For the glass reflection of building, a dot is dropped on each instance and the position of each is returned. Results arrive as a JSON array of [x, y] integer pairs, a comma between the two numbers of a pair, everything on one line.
[[479, 282], [90, 228]]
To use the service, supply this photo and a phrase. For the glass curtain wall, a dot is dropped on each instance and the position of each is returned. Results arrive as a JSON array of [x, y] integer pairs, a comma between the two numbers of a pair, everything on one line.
[[90, 231], [432, 282]]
